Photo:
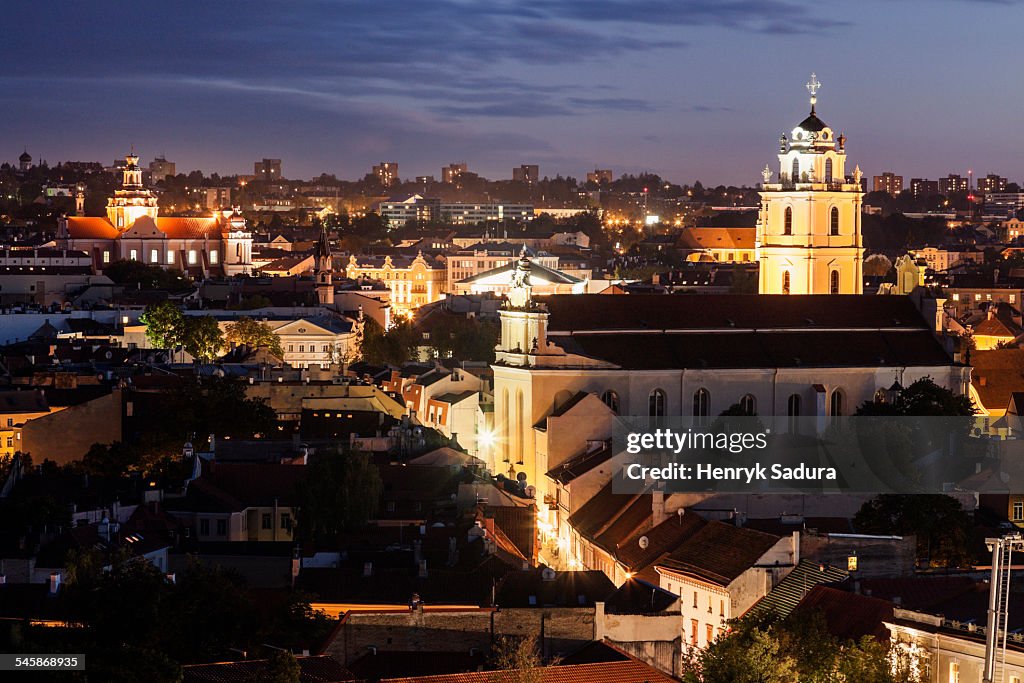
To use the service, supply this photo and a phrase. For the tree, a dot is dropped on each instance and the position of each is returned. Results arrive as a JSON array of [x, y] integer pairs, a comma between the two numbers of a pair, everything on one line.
[[146, 276], [520, 656], [253, 333], [394, 346], [202, 337], [923, 398], [939, 522], [165, 324], [283, 668], [340, 492], [746, 656]]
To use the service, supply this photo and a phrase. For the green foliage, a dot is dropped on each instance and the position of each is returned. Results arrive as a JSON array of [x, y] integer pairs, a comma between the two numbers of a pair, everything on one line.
[[923, 398], [464, 338], [202, 337], [250, 303], [521, 656], [938, 521], [165, 324], [744, 281], [283, 668], [146, 276], [253, 334], [394, 346], [341, 492], [796, 650]]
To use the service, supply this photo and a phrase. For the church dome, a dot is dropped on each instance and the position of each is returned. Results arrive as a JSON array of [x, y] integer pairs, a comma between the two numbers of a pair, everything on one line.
[[812, 124], [25, 156]]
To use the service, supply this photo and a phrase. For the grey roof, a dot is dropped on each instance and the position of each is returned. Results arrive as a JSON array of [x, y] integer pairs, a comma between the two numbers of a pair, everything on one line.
[[784, 598], [536, 270]]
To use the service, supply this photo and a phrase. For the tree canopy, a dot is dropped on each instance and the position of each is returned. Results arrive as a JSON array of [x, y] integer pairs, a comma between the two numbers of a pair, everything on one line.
[[253, 333], [341, 492]]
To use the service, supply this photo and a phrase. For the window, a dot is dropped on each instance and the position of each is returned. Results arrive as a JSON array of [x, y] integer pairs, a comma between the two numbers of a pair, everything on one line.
[[191, 257], [694, 599], [693, 632], [794, 412], [286, 521], [721, 608], [10, 442], [154, 256], [291, 348], [710, 633], [106, 256], [656, 403], [828, 170], [796, 170], [222, 527], [954, 672], [701, 405], [213, 256], [833, 282], [835, 408], [302, 348], [787, 221], [1018, 509], [611, 399], [748, 404], [390, 506], [833, 221], [327, 348], [134, 254], [785, 282], [267, 522], [204, 527]]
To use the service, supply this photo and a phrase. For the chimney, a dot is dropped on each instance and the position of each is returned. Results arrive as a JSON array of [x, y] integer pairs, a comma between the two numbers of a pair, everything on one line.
[[657, 507], [172, 578]]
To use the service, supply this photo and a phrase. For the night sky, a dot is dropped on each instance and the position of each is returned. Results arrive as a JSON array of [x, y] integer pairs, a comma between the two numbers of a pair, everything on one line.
[[697, 89]]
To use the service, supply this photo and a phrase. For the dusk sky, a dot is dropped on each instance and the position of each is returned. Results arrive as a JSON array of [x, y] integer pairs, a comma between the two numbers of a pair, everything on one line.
[[697, 89]]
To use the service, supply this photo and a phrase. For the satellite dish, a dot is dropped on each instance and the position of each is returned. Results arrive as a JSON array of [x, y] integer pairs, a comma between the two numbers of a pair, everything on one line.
[[644, 542], [530, 491], [548, 574]]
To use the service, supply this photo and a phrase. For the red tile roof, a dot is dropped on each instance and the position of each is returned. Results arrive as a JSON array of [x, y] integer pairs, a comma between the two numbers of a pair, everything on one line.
[[630, 671], [849, 615], [97, 227], [719, 552], [89, 227], [318, 669]]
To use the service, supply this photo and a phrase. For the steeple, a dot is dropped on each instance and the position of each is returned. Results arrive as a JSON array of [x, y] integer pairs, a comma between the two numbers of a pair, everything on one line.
[[132, 201], [323, 268]]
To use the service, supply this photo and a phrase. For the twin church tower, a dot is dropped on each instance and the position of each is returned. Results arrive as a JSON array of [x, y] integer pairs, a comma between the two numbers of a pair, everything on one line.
[[809, 225]]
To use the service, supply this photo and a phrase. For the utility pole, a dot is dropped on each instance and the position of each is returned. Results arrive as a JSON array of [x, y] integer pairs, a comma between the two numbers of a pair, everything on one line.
[[999, 599]]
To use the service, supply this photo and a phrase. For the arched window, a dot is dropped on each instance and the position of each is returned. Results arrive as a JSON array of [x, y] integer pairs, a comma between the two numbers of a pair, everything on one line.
[[787, 221], [656, 403], [833, 222], [611, 399], [521, 423], [833, 282], [506, 414], [701, 405], [785, 282], [794, 413], [828, 170], [835, 408], [796, 169], [748, 404]]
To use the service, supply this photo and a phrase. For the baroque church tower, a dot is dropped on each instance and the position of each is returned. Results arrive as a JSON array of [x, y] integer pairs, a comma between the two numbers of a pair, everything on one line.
[[809, 226], [133, 200], [322, 269]]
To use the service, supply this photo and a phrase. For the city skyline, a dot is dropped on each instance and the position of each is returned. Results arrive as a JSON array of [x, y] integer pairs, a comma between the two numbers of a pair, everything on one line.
[[562, 85]]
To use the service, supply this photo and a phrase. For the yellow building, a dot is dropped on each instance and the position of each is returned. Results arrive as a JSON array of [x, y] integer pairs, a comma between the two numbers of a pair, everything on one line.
[[809, 231], [413, 282], [17, 408]]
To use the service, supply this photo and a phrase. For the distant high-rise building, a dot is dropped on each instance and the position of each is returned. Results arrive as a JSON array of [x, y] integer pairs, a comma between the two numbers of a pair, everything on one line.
[[992, 183], [386, 172], [267, 169], [527, 173], [888, 182], [451, 172], [160, 169], [600, 176], [25, 161], [952, 184], [922, 188]]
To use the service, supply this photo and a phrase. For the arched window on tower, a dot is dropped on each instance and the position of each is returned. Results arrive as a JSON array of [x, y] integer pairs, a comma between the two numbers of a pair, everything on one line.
[[833, 282], [794, 413], [701, 406], [835, 408], [833, 221], [828, 170], [785, 282], [796, 170], [787, 221], [748, 404], [611, 399], [656, 403]]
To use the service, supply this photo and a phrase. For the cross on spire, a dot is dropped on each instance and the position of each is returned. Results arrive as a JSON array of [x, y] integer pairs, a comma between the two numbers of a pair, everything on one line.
[[813, 86]]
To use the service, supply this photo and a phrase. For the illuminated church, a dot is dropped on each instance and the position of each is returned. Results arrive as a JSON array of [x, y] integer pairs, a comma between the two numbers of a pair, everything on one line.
[[809, 228], [220, 244]]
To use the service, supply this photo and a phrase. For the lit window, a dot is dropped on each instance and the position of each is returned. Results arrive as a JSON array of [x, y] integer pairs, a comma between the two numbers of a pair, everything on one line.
[[1018, 510], [106, 257], [170, 258], [154, 256], [134, 254], [213, 256], [192, 257]]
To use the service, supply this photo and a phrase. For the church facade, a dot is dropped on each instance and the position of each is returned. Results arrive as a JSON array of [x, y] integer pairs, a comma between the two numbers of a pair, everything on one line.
[[133, 229], [808, 238]]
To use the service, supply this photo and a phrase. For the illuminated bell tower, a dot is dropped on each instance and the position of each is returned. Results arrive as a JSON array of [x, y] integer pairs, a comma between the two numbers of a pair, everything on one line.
[[322, 269], [809, 226], [132, 201]]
